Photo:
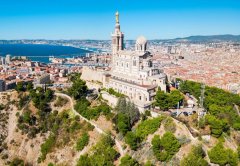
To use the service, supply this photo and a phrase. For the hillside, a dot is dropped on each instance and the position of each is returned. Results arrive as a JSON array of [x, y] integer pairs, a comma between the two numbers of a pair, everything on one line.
[[45, 127], [209, 39]]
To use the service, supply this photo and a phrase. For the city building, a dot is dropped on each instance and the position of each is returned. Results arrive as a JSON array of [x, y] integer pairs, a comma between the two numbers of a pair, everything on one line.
[[8, 59], [2, 61], [2, 85], [132, 72], [43, 79]]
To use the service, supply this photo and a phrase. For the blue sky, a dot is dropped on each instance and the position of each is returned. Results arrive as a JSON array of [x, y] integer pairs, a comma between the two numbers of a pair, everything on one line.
[[94, 19]]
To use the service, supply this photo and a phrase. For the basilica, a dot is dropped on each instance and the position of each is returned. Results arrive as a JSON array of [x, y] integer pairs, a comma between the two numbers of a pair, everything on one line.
[[132, 72]]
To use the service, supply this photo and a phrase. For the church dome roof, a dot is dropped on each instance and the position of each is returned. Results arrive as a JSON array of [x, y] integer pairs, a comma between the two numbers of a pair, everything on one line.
[[141, 40]]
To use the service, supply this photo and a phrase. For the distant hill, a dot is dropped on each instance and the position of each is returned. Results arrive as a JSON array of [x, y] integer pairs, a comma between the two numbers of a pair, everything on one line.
[[212, 38]]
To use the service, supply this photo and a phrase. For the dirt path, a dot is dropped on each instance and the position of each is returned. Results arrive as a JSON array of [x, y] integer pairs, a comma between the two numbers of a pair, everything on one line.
[[13, 121]]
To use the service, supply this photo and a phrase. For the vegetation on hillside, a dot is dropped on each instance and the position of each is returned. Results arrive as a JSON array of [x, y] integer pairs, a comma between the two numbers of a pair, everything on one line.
[[60, 102], [169, 125], [222, 156], [79, 87], [17, 162], [102, 153], [82, 141], [127, 115], [33, 123], [128, 161], [64, 131], [195, 157], [149, 126], [111, 91], [83, 107], [219, 104], [168, 100], [165, 147]]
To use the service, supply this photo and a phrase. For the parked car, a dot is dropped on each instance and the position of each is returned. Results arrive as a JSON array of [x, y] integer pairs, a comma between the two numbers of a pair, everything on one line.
[[174, 114], [185, 113]]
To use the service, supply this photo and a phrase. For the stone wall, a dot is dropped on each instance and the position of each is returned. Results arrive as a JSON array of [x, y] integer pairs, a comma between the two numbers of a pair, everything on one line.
[[112, 100], [92, 74]]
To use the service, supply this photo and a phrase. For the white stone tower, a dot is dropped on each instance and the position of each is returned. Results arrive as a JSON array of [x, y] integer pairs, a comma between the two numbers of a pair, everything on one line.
[[141, 44], [117, 37]]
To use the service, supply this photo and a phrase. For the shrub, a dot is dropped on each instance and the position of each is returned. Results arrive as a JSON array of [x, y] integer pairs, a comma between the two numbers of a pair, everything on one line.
[[166, 147], [102, 153], [148, 127], [129, 109], [47, 146], [217, 126], [128, 161], [132, 140], [78, 89], [17, 162], [82, 142], [220, 155], [148, 163], [219, 103], [2, 107], [123, 123], [113, 92], [169, 125], [195, 157], [60, 102]]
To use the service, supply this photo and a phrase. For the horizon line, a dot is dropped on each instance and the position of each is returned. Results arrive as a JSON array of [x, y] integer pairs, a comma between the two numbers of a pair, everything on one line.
[[130, 39]]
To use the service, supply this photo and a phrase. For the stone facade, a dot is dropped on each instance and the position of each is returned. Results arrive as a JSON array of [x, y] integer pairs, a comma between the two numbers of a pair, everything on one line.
[[132, 72]]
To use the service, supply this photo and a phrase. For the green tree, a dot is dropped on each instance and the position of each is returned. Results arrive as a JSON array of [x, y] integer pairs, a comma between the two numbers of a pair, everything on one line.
[[217, 126], [47, 146], [49, 95], [84, 161], [128, 161], [29, 86], [220, 155], [82, 142], [20, 87], [166, 147], [162, 100], [174, 97], [101, 154], [82, 106], [147, 127], [195, 157], [132, 140], [217, 102], [129, 109], [78, 89], [123, 123], [50, 164], [148, 163], [17, 162]]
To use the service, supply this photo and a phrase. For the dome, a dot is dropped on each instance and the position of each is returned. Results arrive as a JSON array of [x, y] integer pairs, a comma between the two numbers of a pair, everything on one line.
[[141, 40]]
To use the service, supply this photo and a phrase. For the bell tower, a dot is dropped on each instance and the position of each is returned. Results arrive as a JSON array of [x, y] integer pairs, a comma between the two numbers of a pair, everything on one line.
[[117, 37]]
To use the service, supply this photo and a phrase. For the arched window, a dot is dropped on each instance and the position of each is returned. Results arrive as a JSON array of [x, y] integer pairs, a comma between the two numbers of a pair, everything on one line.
[[134, 63]]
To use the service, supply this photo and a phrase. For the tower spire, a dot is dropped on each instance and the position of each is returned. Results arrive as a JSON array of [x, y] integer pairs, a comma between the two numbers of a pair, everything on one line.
[[117, 17], [117, 37]]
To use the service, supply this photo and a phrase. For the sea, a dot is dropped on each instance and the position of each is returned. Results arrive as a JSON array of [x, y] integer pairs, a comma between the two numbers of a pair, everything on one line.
[[41, 52]]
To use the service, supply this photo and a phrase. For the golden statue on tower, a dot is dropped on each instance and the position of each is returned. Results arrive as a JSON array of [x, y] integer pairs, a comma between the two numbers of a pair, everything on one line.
[[117, 17]]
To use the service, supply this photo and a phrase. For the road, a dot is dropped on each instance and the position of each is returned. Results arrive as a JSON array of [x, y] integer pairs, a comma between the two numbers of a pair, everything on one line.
[[97, 128]]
